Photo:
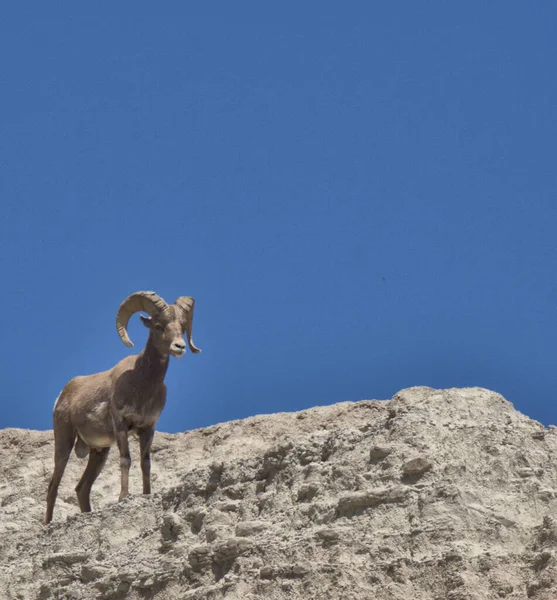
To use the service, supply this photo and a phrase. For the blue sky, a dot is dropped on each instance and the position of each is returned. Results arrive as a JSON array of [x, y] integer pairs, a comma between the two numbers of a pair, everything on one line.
[[361, 197]]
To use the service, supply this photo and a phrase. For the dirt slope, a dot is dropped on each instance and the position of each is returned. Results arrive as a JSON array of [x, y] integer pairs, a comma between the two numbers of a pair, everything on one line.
[[432, 495]]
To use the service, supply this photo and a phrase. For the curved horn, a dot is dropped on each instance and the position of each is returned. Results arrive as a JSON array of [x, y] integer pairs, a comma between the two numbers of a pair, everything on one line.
[[186, 304], [148, 302]]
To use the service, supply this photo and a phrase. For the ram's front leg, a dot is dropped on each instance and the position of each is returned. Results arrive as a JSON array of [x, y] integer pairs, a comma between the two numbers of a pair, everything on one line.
[[121, 432], [145, 441]]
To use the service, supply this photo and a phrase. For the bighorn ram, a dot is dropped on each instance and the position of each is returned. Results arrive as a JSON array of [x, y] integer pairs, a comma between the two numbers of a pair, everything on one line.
[[95, 410]]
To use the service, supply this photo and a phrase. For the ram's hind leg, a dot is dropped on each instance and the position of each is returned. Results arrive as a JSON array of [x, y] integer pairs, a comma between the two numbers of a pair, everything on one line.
[[64, 438], [97, 460]]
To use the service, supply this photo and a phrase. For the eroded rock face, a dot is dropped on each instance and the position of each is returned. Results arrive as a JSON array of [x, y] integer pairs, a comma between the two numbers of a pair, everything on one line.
[[432, 495]]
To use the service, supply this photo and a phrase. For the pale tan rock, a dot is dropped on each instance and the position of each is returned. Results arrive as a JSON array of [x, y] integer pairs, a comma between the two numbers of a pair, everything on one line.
[[435, 494]]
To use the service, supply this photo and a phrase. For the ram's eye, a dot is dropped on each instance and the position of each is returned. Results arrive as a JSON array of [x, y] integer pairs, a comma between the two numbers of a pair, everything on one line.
[[159, 327]]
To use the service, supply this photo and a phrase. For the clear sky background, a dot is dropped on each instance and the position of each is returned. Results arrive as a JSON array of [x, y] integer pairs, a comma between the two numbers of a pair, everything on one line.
[[361, 197]]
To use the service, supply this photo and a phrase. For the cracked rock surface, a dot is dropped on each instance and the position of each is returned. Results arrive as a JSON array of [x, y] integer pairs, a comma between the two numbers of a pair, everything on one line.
[[433, 495]]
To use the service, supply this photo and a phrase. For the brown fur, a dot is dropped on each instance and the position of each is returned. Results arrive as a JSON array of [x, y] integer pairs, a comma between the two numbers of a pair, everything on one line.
[[103, 408]]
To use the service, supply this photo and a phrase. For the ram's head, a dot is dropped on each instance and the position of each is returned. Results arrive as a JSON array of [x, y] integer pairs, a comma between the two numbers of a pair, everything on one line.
[[166, 322]]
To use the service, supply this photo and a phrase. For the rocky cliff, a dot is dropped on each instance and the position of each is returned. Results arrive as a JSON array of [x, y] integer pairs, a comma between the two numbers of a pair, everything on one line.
[[432, 495]]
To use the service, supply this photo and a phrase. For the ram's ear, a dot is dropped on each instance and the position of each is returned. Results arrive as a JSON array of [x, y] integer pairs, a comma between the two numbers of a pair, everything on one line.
[[147, 321]]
